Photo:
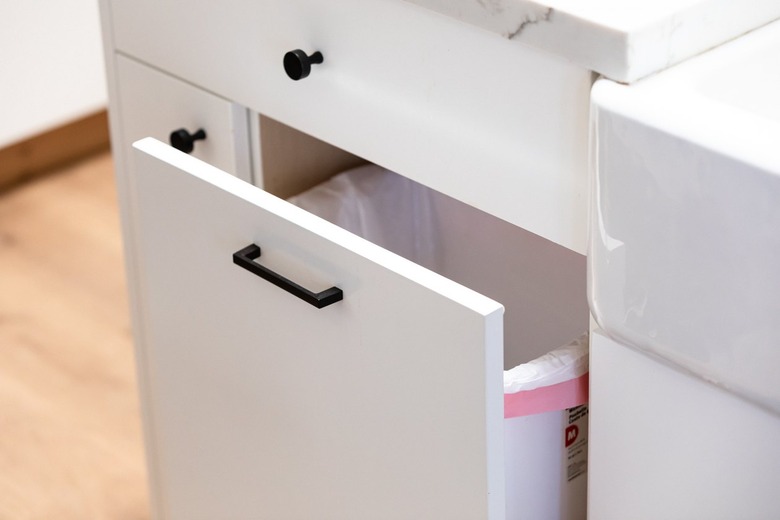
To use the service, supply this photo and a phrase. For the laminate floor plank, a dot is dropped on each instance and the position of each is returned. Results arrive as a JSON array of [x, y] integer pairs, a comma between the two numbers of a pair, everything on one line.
[[70, 436]]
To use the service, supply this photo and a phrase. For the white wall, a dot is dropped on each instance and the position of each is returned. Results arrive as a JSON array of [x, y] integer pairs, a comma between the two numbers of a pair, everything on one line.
[[51, 65]]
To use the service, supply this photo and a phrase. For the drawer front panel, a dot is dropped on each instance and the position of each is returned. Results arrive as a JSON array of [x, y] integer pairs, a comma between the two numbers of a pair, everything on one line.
[[493, 123], [387, 404], [154, 104]]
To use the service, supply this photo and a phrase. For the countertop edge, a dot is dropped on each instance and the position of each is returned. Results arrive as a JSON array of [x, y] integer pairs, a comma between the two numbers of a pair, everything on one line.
[[621, 50]]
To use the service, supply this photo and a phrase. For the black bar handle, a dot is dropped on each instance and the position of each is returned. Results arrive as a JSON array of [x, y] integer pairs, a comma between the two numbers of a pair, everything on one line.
[[246, 259]]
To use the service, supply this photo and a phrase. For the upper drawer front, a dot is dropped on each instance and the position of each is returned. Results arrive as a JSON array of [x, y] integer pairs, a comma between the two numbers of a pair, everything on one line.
[[488, 121], [154, 104]]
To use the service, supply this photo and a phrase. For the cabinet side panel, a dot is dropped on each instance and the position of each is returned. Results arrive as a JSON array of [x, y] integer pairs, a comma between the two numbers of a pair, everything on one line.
[[293, 162], [665, 444]]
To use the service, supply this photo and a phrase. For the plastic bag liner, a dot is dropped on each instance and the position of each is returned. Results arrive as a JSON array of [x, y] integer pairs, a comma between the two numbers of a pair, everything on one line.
[[545, 426], [399, 214], [554, 381], [381, 206]]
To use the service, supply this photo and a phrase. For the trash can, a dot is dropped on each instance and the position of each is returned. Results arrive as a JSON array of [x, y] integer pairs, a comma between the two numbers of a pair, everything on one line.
[[546, 384]]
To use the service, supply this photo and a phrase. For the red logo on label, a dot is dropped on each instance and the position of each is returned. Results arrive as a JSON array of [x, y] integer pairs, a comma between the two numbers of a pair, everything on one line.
[[571, 434]]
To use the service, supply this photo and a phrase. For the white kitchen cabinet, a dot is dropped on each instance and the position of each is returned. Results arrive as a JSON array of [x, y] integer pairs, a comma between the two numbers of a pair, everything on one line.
[[387, 402]]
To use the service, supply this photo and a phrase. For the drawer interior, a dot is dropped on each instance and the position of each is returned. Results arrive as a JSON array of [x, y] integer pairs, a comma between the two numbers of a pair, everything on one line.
[[542, 285]]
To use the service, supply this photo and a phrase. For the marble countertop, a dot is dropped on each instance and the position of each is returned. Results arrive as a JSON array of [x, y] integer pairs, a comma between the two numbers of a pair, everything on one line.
[[624, 40]]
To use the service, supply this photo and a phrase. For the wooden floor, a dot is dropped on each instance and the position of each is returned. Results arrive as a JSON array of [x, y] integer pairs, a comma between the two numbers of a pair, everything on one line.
[[70, 441]]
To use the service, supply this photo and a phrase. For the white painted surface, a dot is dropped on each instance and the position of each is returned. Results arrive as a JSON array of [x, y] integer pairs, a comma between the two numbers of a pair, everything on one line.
[[623, 39], [497, 126], [665, 444], [541, 284], [153, 104], [385, 405], [51, 65], [685, 245]]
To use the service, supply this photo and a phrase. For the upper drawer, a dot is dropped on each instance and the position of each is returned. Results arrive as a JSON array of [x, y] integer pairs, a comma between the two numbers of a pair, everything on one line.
[[493, 123], [153, 104]]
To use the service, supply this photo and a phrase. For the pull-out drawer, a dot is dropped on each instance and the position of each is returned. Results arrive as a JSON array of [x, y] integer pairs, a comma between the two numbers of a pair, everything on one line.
[[493, 123], [386, 403], [264, 403]]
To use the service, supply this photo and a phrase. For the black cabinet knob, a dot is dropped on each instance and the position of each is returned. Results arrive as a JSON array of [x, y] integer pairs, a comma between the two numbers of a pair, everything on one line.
[[297, 64], [182, 140]]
